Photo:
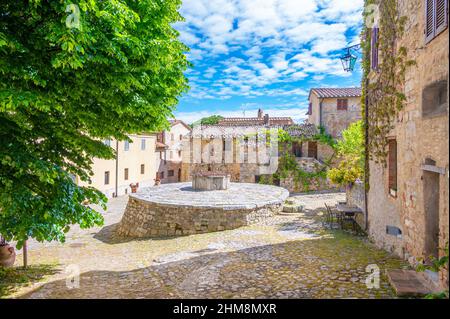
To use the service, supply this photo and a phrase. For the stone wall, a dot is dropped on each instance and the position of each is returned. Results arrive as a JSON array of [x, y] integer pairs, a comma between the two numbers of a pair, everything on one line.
[[334, 120], [420, 140], [145, 219], [355, 197], [315, 184]]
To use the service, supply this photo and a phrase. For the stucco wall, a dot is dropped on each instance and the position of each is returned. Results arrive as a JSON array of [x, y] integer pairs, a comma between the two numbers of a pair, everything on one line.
[[173, 155], [131, 159]]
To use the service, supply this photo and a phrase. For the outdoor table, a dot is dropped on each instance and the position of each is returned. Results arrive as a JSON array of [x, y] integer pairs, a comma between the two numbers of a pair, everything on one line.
[[348, 212]]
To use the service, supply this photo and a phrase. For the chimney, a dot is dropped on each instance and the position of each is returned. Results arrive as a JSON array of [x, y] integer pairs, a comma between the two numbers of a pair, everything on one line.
[[260, 113], [266, 119]]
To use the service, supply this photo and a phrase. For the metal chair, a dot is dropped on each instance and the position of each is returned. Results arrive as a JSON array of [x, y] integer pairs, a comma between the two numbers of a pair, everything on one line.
[[332, 216]]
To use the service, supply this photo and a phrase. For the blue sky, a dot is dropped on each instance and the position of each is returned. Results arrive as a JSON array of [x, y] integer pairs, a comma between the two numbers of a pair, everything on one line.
[[251, 54]]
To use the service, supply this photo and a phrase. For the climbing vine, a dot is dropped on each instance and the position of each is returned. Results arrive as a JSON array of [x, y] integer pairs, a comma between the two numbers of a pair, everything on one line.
[[385, 89], [289, 167]]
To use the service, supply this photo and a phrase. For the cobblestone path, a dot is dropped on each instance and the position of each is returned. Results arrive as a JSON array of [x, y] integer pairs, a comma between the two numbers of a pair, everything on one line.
[[288, 256]]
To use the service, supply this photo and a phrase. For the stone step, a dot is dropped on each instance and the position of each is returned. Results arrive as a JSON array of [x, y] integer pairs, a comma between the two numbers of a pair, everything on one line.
[[409, 283], [292, 208]]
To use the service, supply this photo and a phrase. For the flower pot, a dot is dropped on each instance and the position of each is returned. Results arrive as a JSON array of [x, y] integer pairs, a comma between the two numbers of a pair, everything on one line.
[[7, 256]]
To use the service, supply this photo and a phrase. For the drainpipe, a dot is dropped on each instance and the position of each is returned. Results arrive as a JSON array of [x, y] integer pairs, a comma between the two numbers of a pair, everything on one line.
[[117, 169], [366, 157]]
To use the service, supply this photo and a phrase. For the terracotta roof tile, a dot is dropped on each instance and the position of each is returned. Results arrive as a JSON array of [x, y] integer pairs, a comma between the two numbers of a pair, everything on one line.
[[336, 92]]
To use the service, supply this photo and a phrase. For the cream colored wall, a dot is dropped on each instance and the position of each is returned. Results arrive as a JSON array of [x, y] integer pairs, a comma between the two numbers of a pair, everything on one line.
[[175, 145], [314, 118], [173, 159], [131, 159]]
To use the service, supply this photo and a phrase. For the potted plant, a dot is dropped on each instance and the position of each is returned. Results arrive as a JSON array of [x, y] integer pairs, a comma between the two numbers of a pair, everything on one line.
[[7, 254], [134, 187]]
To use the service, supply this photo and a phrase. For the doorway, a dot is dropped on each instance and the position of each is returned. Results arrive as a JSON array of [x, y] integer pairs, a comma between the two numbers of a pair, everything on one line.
[[312, 149], [431, 211]]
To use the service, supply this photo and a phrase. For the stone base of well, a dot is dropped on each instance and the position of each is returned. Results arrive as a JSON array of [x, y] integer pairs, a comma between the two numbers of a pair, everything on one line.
[[210, 182], [177, 209]]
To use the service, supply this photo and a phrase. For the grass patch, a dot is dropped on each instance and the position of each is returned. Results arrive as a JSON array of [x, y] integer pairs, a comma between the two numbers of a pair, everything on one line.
[[13, 279]]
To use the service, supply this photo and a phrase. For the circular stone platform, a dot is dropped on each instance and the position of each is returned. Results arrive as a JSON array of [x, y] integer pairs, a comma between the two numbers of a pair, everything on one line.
[[178, 209]]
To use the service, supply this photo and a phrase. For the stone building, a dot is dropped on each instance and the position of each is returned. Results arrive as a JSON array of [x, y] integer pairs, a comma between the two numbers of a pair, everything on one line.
[[334, 109], [169, 152], [408, 197], [134, 164], [235, 146], [260, 120]]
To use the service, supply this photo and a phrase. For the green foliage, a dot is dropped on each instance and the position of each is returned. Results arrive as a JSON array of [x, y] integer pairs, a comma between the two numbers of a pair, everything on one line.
[[437, 264], [288, 167], [64, 89], [210, 120], [385, 89], [12, 279], [350, 150]]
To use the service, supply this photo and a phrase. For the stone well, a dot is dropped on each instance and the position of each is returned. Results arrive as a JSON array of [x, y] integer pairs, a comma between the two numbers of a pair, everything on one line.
[[178, 209], [210, 181]]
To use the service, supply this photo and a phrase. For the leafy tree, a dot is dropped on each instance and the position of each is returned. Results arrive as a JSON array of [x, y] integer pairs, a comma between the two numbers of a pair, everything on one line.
[[71, 74], [210, 120], [350, 149]]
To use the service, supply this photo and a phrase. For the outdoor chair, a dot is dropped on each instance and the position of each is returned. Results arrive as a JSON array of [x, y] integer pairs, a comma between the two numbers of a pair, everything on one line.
[[331, 216]]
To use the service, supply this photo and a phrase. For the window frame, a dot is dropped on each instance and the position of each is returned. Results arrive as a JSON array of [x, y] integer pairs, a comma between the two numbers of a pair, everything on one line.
[[143, 144], [342, 106], [125, 174], [392, 170], [106, 178], [436, 30], [142, 169]]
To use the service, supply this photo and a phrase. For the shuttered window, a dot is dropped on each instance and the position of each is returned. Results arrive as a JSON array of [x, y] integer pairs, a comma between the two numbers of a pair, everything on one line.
[[436, 18], [392, 165], [374, 48], [342, 104]]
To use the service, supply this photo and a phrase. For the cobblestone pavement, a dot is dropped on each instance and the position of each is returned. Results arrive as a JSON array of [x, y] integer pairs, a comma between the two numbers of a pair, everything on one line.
[[287, 256]]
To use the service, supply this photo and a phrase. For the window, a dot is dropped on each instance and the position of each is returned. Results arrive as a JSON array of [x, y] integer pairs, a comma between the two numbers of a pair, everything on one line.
[[309, 109], [160, 137], [171, 155], [179, 153], [107, 142], [125, 174], [435, 18], [142, 168], [172, 137], [434, 99], [143, 144], [170, 173], [374, 49], [107, 178], [126, 145], [392, 167], [342, 104], [181, 137], [162, 175]]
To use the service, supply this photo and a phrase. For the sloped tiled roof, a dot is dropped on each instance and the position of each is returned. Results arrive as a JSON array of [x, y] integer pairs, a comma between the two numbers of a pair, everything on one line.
[[305, 130], [160, 145], [238, 121], [336, 92], [175, 122]]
